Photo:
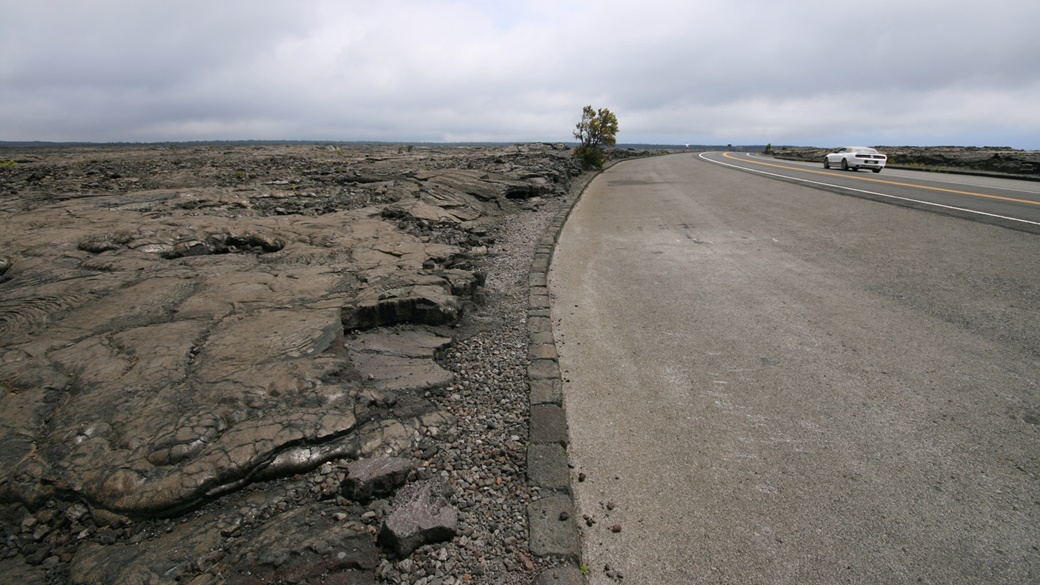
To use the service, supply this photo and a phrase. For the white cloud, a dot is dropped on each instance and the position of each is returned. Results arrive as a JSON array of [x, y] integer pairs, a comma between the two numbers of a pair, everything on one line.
[[673, 71]]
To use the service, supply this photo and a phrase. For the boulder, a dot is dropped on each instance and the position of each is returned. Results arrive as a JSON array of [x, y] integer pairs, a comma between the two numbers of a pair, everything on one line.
[[421, 515]]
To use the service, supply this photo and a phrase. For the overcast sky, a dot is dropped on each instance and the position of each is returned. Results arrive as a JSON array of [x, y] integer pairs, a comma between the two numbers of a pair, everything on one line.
[[810, 72]]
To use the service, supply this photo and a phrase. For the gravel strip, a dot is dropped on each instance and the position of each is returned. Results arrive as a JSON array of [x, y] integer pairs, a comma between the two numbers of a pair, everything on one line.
[[484, 458]]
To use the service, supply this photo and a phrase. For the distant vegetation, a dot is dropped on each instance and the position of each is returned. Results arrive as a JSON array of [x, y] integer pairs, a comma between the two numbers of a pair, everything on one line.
[[598, 128]]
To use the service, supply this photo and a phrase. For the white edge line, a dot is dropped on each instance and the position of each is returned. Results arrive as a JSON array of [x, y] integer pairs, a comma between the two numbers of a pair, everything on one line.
[[930, 179], [886, 195]]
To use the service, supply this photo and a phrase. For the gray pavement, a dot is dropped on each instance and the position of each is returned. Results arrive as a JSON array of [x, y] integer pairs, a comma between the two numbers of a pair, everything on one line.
[[766, 383]]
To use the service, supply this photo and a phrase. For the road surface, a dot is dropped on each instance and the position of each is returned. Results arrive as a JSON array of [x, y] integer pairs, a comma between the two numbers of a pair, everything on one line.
[[766, 382], [1007, 202]]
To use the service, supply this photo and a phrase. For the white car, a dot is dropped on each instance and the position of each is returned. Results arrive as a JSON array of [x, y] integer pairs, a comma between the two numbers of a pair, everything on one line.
[[855, 158]]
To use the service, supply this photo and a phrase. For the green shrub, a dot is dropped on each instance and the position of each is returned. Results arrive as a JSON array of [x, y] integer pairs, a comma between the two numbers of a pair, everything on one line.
[[597, 128], [591, 157]]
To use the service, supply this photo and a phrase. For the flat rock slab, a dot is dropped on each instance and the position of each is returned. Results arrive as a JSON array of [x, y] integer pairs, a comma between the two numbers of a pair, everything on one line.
[[307, 542], [399, 359]]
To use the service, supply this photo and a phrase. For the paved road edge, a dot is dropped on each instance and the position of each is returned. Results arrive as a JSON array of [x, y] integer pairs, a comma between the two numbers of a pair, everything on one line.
[[551, 516]]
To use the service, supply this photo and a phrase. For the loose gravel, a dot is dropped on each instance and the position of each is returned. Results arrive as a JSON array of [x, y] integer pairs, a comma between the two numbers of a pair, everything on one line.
[[484, 458]]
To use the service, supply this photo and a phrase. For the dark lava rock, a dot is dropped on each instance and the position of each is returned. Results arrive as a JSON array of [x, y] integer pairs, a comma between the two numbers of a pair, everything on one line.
[[375, 477], [196, 340], [421, 515]]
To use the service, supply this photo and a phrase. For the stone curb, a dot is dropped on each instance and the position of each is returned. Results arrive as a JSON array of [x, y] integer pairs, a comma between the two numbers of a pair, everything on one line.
[[551, 522]]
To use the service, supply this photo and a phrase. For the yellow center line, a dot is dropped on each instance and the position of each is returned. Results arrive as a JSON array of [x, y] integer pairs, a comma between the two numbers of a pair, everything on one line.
[[897, 183]]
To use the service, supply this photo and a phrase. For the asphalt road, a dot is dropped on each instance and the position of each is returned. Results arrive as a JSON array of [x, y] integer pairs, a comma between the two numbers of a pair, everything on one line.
[[1006, 202], [767, 382]]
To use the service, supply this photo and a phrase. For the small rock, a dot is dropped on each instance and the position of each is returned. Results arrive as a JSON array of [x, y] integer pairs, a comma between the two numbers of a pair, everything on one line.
[[75, 512], [373, 477], [612, 573]]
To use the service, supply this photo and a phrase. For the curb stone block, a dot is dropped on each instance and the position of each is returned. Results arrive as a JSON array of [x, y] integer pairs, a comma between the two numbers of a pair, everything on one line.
[[546, 391], [539, 300], [537, 324], [548, 424], [539, 313], [547, 466], [554, 531], [542, 351], [542, 337], [539, 369]]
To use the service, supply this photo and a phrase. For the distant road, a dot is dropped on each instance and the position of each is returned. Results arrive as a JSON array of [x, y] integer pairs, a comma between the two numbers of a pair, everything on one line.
[[1006, 202], [767, 382]]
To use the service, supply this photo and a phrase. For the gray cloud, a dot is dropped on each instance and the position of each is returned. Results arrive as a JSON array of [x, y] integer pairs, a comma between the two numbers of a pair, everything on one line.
[[925, 72]]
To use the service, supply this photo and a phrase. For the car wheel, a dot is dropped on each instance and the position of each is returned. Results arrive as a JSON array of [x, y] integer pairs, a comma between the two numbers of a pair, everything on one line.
[[826, 163], [876, 170], [844, 165]]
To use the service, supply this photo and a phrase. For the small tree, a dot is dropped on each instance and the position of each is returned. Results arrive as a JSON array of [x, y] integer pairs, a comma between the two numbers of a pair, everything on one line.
[[596, 130]]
